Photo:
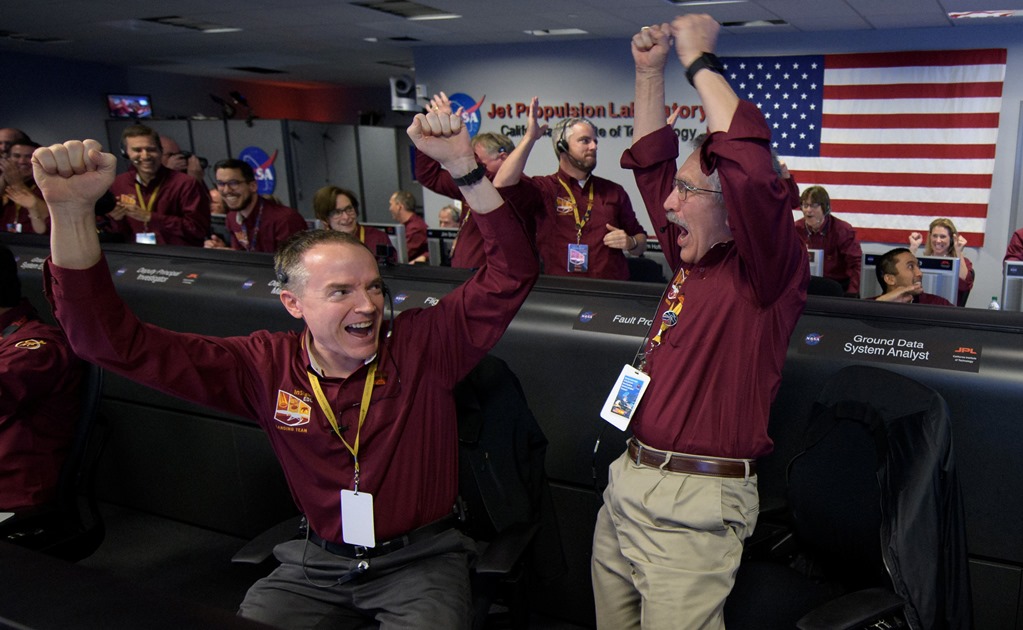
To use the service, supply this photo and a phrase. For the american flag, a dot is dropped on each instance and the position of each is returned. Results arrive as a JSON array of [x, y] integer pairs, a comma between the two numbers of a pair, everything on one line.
[[897, 139]]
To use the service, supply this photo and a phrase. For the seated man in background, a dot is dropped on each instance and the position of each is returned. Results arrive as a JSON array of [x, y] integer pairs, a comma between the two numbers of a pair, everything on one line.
[[156, 205], [819, 229], [338, 209], [899, 275], [40, 395], [1014, 251], [359, 411], [403, 210], [8, 136], [24, 210], [448, 217], [255, 224]]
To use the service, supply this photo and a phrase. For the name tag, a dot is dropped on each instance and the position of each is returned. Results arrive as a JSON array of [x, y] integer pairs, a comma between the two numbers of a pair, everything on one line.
[[357, 518], [578, 257], [146, 238], [622, 402]]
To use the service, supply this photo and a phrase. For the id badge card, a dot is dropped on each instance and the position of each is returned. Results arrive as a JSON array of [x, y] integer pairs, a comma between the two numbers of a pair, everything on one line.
[[578, 257], [146, 238], [624, 398], [357, 518]]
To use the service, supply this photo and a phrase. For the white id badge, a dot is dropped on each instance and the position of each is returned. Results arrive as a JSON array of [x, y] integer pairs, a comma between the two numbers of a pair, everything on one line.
[[624, 398], [357, 518], [146, 238]]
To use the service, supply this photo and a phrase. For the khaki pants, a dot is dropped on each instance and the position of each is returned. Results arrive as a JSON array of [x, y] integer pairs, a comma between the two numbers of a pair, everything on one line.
[[667, 546]]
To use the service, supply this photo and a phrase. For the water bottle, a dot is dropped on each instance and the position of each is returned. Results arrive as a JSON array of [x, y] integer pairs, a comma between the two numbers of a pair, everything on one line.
[[993, 306]]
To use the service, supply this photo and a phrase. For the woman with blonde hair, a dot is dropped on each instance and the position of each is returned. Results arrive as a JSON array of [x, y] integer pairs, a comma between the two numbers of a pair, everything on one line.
[[945, 240]]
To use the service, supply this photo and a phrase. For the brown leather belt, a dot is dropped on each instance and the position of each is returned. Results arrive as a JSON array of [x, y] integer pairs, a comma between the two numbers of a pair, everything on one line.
[[691, 464]]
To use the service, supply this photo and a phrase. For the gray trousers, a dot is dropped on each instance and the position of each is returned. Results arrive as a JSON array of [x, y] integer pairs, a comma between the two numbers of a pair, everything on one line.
[[425, 585]]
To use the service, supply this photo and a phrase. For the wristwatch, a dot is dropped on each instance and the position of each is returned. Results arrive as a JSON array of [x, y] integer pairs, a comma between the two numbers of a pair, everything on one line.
[[472, 176], [707, 60]]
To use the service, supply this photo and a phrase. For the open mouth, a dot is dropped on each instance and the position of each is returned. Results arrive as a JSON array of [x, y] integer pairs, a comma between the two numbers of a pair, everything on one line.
[[363, 329]]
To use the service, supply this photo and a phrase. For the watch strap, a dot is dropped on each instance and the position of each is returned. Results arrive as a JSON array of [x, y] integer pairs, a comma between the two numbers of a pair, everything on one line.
[[472, 176], [707, 61]]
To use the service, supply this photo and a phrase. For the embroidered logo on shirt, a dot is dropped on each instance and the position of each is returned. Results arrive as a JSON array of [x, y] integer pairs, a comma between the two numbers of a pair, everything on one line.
[[30, 344], [292, 411], [564, 205]]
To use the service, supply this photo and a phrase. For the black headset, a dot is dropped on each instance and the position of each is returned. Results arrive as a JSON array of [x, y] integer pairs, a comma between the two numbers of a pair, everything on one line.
[[561, 146]]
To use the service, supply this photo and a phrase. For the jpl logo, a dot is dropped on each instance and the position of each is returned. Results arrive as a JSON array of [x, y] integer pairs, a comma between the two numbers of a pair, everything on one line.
[[266, 174]]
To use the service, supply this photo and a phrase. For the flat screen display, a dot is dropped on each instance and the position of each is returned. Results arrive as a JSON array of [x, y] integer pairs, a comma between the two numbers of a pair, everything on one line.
[[129, 106]]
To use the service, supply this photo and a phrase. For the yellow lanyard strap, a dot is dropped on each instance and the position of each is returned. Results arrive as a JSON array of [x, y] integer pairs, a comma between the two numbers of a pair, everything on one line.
[[367, 392], [579, 225], [148, 207]]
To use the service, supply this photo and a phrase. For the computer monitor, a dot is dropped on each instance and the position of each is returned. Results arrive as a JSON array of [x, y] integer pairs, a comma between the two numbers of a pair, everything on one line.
[[440, 241], [816, 261], [129, 106], [1012, 285], [396, 232], [941, 276]]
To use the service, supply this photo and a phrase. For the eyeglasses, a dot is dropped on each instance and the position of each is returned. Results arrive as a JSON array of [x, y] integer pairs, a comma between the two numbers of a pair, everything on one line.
[[231, 183], [814, 206], [346, 210], [684, 188]]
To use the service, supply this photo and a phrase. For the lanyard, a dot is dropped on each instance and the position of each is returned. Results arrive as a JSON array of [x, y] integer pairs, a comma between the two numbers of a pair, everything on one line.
[[148, 207], [674, 300], [579, 225], [362, 234], [249, 243], [367, 392]]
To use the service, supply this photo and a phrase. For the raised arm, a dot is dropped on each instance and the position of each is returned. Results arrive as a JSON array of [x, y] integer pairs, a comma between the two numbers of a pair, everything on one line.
[[695, 35], [72, 176], [650, 49], [511, 169], [445, 139]]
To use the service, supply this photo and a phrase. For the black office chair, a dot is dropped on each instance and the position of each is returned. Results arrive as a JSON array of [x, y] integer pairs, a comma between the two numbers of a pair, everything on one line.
[[503, 488], [504, 499], [877, 532], [69, 526]]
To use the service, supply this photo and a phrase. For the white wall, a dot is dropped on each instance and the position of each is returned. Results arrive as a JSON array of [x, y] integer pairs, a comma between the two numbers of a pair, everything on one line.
[[600, 72]]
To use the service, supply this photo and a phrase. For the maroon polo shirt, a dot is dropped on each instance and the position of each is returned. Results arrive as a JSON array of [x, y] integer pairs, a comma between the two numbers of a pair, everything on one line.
[[842, 254], [181, 211], [408, 452], [716, 373], [266, 227]]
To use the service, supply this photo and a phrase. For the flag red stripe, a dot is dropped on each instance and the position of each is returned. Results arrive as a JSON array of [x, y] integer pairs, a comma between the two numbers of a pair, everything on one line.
[[912, 208], [911, 121], [913, 90], [901, 237], [921, 151], [982, 56], [922, 180]]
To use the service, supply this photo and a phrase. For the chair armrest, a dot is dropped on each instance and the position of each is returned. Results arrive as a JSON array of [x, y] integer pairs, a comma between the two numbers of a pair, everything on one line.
[[262, 546], [853, 610], [502, 554]]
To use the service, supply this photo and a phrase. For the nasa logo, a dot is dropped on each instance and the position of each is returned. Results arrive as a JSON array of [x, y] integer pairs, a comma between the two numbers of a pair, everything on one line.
[[263, 165], [470, 110], [121, 271], [586, 316], [401, 297], [812, 339], [247, 285]]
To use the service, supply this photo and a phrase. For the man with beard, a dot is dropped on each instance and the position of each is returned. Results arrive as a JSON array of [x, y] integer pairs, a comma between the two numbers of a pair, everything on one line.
[[587, 223], [156, 205], [255, 224]]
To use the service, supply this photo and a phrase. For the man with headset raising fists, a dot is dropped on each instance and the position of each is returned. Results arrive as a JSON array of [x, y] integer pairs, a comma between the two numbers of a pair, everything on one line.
[[587, 223], [359, 412]]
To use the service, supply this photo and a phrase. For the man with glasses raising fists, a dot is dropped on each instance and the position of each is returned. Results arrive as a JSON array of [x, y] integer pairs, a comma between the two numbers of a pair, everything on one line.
[[683, 497]]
